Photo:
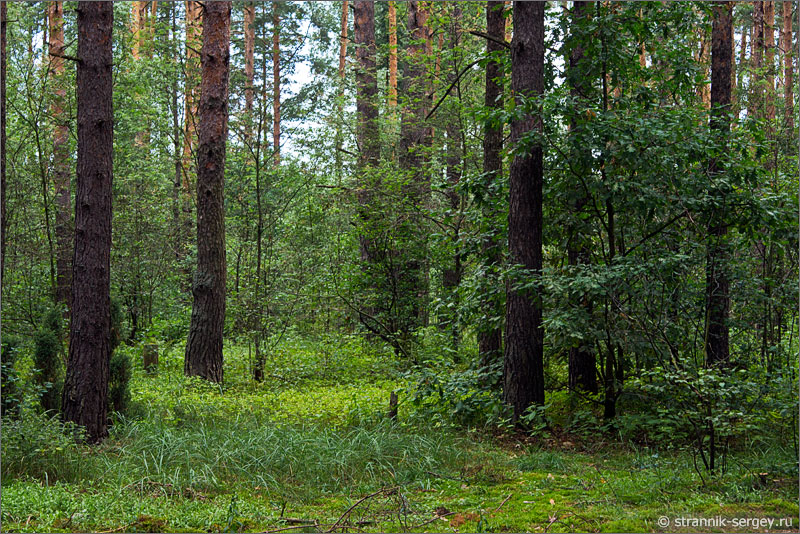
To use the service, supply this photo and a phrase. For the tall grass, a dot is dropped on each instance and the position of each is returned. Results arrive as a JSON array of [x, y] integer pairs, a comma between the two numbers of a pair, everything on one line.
[[213, 454]]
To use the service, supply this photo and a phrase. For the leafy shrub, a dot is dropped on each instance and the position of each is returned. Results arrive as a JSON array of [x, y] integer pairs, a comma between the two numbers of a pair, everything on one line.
[[47, 365], [40, 446], [119, 394], [465, 397], [9, 378]]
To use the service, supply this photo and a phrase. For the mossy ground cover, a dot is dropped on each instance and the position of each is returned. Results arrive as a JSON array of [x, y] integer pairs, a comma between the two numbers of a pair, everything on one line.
[[298, 451]]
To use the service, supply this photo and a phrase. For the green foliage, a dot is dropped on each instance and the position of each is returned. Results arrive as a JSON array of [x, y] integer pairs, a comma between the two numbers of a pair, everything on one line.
[[444, 393], [119, 395], [38, 445], [48, 368], [9, 379]]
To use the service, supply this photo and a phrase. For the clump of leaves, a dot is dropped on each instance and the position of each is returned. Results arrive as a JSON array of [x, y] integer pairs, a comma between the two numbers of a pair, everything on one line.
[[9, 378], [47, 362]]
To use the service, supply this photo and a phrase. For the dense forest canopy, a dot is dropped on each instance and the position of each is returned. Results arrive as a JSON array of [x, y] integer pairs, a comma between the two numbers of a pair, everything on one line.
[[546, 217]]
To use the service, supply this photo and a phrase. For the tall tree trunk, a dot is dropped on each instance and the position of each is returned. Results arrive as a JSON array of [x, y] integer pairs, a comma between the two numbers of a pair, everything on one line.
[[717, 298], [61, 179], [86, 383], [340, 93], [140, 27], [756, 60], [703, 91], [276, 85], [191, 94], [524, 369], [392, 54], [249, 56], [367, 111], [3, 214], [788, 69], [343, 40], [490, 336], [582, 365], [177, 221], [415, 138], [769, 57], [454, 160], [204, 349]]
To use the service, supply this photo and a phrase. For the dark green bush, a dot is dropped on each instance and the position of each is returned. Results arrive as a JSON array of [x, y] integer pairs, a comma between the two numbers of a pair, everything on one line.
[[47, 365], [119, 394], [8, 377]]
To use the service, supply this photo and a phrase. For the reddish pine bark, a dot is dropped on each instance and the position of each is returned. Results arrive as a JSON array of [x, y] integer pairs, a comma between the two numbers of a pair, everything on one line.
[[86, 383], [61, 178], [204, 349], [392, 54], [788, 70]]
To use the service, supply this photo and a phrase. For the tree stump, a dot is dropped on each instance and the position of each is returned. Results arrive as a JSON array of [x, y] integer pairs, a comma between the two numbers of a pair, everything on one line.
[[150, 357]]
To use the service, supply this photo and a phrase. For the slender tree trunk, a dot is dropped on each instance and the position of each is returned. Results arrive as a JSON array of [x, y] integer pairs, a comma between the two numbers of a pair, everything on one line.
[[769, 56], [340, 94], [704, 91], [249, 55], [204, 348], [191, 93], [788, 69], [524, 369], [392, 54], [415, 138], [756, 60], [86, 384], [61, 177], [276, 85], [582, 365], [454, 160], [3, 213], [717, 286], [343, 40], [179, 234], [141, 28], [490, 336]]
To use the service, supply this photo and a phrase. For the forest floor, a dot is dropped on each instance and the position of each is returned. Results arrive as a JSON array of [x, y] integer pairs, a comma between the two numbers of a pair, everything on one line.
[[310, 451]]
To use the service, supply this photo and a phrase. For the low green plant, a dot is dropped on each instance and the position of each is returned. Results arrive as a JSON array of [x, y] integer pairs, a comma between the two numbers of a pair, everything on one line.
[[9, 379], [48, 369], [119, 395]]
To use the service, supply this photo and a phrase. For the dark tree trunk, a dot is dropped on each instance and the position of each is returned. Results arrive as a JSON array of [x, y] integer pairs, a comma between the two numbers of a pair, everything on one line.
[[367, 127], [490, 337], [415, 138], [204, 349], [367, 136], [60, 155], [582, 365], [524, 370], [717, 286], [86, 384]]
